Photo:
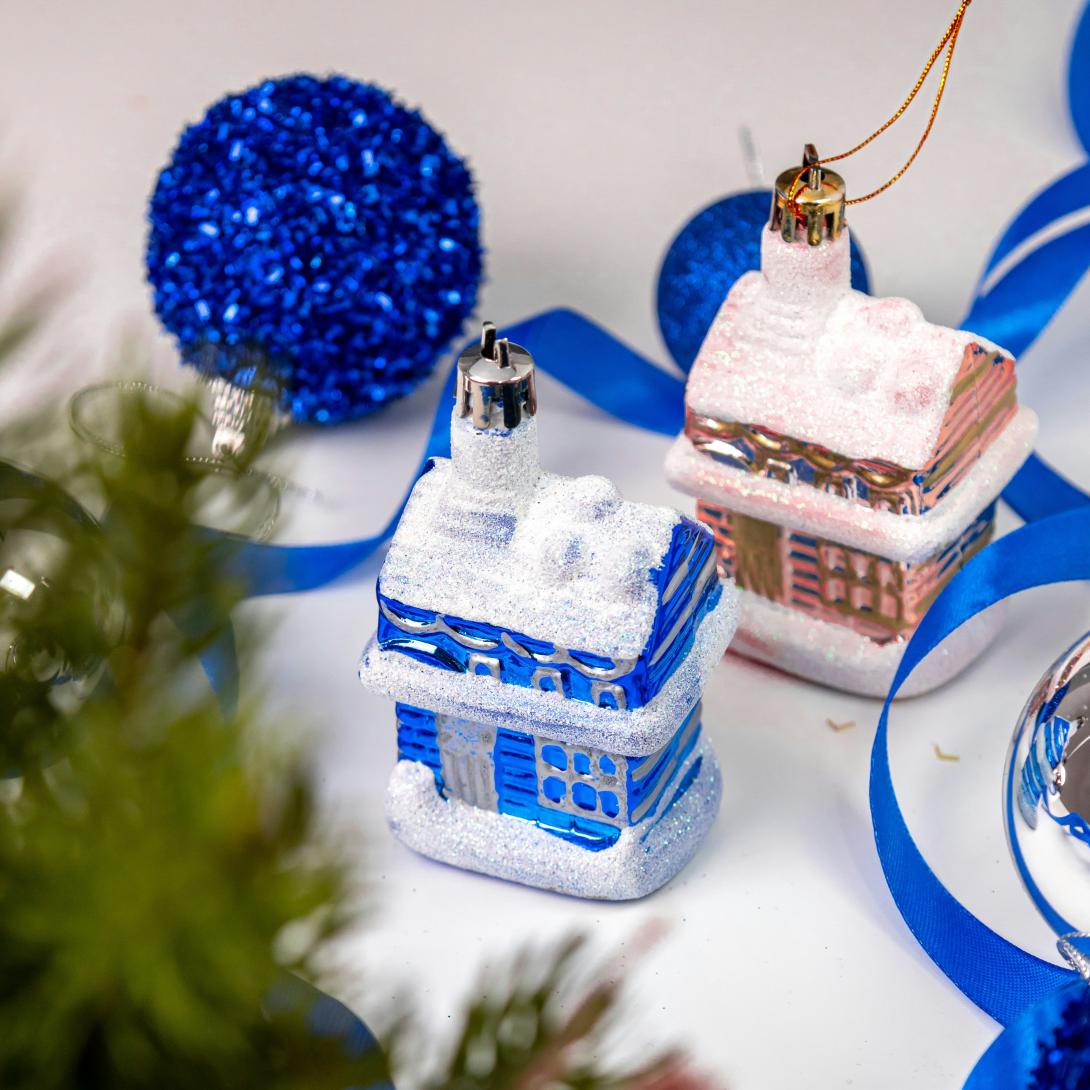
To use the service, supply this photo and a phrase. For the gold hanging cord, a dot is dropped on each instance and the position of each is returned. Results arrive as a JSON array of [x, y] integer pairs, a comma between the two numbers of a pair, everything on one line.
[[947, 42]]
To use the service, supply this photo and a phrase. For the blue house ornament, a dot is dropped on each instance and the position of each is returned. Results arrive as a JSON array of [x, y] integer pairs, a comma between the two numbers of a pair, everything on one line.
[[547, 644]]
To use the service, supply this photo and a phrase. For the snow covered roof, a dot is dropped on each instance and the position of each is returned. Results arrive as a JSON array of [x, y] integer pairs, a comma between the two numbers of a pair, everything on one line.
[[908, 538], [796, 350], [568, 563]]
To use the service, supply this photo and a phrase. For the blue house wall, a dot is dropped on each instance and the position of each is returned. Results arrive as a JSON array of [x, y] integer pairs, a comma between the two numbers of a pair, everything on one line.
[[542, 781]]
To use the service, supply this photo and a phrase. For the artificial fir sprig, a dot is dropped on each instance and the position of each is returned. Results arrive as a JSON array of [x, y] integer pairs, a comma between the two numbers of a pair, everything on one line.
[[542, 1028], [152, 854]]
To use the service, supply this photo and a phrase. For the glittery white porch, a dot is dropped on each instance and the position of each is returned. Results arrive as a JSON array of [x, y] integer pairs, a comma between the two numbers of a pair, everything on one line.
[[836, 656], [641, 860]]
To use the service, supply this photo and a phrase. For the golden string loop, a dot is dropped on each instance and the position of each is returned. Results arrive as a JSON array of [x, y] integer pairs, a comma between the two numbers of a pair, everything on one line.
[[947, 42]]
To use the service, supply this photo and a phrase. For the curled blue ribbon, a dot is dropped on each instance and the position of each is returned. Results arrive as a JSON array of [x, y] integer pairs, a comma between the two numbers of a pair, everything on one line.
[[1038, 491], [1015, 987], [1024, 993], [1015, 310], [998, 976], [1061, 198]]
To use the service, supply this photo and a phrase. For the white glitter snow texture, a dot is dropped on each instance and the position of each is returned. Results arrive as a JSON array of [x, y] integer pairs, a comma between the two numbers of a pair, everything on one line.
[[487, 536]]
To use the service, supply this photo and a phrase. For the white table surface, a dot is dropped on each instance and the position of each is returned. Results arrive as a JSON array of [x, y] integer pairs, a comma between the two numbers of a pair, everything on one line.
[[595, 131]]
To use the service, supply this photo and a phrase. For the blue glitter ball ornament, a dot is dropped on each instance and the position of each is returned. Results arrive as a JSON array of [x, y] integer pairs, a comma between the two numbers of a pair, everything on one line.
[[710, 252], [322, 228], [1063, 1062]]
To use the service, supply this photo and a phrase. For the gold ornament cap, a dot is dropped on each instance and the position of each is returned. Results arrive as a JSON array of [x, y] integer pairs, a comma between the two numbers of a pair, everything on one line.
[[816, 209]]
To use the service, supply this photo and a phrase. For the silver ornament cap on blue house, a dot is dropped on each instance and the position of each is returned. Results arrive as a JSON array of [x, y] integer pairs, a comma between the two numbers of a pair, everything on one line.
[[496, 382]]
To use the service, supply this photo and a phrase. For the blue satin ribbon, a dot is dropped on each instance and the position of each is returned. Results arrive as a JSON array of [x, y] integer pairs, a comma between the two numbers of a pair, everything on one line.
[[218, 659], [263, 569], [1015, 310], [219, 652], [998, 976], [1038, 491], [1063, 197], [1016, 988], [325, 1017]]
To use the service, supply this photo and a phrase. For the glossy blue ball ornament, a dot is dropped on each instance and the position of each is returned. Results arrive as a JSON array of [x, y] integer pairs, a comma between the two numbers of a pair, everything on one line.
[[319, 234], [709, 253]]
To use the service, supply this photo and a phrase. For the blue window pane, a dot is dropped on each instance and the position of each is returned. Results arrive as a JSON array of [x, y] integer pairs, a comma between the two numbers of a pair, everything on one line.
[[608, 765], [582, 764], [610, 806], [554, 789], [584, 796], [555, 756]]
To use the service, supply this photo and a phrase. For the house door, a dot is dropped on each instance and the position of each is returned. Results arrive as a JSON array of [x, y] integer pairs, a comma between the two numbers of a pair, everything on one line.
[[465, 749]]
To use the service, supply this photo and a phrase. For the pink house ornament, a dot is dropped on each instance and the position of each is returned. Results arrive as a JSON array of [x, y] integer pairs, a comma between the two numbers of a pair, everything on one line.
[[846, 453]]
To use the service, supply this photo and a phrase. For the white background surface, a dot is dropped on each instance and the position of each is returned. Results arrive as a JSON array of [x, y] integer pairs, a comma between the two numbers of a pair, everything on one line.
[[595, 130]]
